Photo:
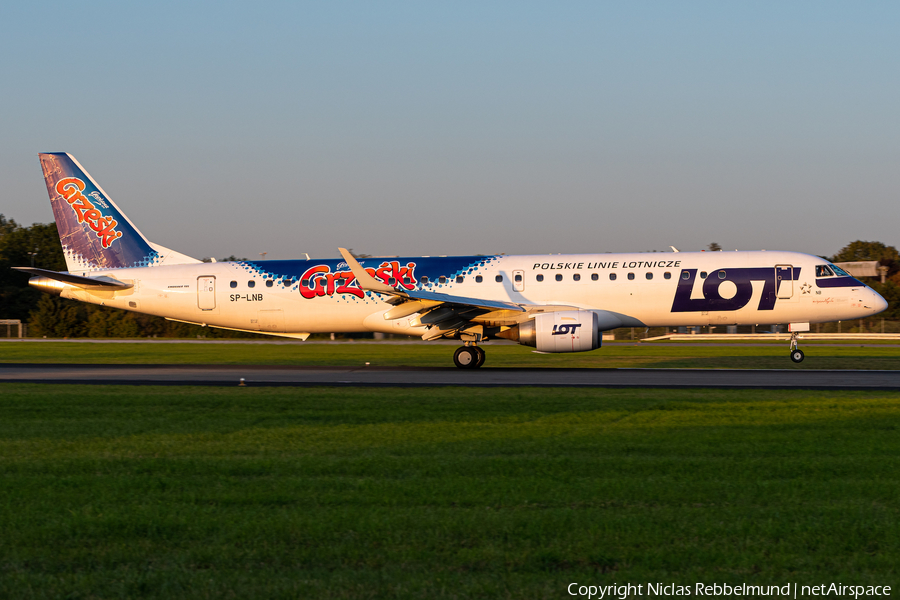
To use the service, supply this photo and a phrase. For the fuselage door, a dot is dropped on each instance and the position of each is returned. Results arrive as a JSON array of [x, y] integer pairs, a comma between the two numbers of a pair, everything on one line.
[[206, 293], [519, 281], [784, 281]]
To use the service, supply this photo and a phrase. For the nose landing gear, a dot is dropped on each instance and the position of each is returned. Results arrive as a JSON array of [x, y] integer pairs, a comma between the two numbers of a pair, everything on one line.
[[469, 357], [796, 353]]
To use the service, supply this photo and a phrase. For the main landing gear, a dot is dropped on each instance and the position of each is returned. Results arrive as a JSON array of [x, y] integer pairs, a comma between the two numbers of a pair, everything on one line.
[[469, 357], [796, 353]]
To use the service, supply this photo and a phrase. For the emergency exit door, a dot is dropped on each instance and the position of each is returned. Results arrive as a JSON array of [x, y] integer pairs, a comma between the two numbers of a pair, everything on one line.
[[519, 281], [206, 293]]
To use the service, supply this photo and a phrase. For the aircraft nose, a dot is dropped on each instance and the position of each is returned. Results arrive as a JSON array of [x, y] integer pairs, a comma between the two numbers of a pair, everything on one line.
[[876, 303]]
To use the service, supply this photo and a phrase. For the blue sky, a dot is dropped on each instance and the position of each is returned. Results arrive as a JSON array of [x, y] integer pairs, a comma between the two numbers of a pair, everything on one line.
[[425, 128]]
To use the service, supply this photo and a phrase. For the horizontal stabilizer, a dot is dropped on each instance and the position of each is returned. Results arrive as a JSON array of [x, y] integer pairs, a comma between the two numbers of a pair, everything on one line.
[[77, 280]]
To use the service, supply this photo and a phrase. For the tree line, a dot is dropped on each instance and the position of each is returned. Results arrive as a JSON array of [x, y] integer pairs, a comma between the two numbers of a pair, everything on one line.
[[51, 316]]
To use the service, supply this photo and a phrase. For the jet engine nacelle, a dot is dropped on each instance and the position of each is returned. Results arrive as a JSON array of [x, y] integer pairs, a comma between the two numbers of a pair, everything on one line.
[[564, 331]]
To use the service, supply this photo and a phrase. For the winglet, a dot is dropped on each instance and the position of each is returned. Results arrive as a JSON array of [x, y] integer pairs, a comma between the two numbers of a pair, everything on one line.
[[366, 281]]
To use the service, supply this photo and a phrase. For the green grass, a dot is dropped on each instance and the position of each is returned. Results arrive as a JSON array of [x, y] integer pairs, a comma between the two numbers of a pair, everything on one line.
[[613, 355], [167, 492]]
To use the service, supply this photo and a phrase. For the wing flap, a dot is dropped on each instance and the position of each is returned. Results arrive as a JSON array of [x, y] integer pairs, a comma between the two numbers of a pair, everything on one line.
[[449, 299]]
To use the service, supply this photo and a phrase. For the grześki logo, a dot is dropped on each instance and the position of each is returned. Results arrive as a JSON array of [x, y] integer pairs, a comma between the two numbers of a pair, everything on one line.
[[320, 281], [70, 188]]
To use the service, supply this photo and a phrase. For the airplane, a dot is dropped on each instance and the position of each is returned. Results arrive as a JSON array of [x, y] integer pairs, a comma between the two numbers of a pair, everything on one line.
[[553, 303]]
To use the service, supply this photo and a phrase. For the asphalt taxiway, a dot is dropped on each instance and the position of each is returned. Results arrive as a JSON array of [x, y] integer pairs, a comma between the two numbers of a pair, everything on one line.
[[261, 375]]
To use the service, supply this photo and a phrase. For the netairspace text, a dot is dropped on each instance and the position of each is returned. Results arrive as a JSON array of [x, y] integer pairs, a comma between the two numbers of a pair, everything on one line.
[[789, 590]]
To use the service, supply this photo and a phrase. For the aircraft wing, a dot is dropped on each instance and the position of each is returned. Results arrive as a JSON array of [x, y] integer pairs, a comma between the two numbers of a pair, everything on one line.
[[444, 314], [370, 284], [447, 298]]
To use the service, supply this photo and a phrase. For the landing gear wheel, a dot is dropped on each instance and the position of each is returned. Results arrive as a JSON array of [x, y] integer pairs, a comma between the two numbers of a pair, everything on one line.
[[481, 356], [796, 353], [466, 357]]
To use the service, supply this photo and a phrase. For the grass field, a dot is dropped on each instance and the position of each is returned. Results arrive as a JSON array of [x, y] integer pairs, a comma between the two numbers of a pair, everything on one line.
[[613, 355], [114, 492]]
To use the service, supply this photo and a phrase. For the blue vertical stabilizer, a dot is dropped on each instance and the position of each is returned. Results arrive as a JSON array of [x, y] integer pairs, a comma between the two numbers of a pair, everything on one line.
[[94, 233]]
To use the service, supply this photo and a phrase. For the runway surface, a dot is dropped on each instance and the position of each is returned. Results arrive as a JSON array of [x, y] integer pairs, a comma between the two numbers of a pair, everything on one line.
[[259, 375]]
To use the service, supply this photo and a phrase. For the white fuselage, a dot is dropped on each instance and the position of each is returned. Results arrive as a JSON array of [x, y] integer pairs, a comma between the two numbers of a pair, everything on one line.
[[649, 289]]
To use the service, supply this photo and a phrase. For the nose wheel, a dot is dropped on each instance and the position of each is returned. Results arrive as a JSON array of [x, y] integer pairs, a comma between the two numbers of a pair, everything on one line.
[[469, 357], [796, 353]]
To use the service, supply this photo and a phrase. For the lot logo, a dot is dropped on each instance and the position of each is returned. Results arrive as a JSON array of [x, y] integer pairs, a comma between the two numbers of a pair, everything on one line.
[[566, 329], [70, 188], [320, 281], [743, 282]]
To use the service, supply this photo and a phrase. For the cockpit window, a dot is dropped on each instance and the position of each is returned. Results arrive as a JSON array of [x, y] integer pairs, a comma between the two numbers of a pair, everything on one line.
[[823, 271], [840, 271]]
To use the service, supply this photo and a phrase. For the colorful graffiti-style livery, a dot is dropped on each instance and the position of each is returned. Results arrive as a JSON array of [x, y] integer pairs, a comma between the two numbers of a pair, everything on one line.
[[70, 188], [321, 281]]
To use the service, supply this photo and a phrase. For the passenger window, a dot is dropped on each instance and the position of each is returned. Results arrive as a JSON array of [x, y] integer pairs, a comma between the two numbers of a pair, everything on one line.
[[269, 283], [649, 275], [423, 279], [685, 275], [594, 277], [576, 277], [442, 279], [479, 279], [459, 279], [702, 274], [234, 284], [287, 280], [559, 277], [722, 274], [612, 276], [251, 283], [305, 283], [518, 278], [667, 275], [498, 278], [392, 281], [631, 276], [539, 277]]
